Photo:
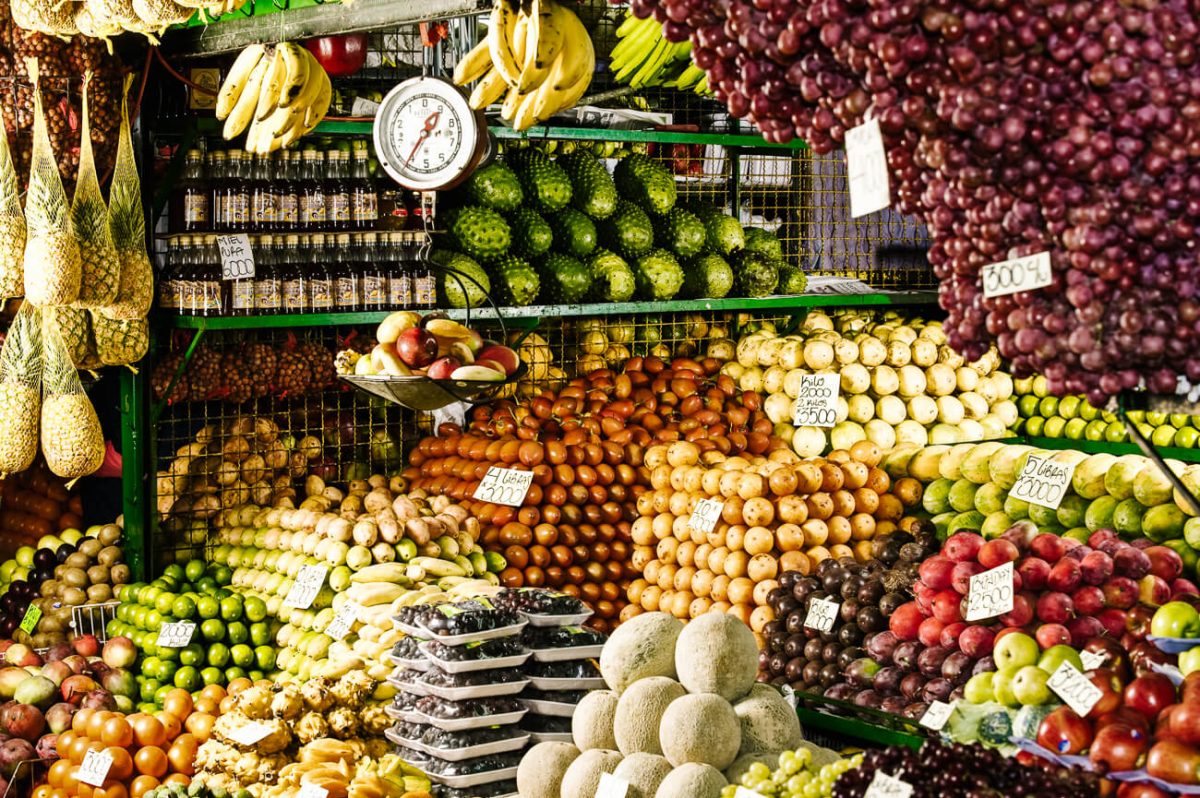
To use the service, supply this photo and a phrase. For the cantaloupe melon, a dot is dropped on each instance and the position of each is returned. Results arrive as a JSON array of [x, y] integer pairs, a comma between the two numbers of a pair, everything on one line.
[[639, 712], [717, 653], [583, 776], [700, 727], [768, 721], [640, 647], [541, 771], [643, 772], [592, 723], [733, 774], [694, 780]]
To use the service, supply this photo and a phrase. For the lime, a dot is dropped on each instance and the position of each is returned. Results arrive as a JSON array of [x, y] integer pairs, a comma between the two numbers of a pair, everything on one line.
[[260, 633], [218, 655], [1163, 435], [139, 617], [188, 678], [160, 694], [167, 653], [212, 676], [256, 675], [173, 571], [206, 584], [1115, 432], [237, 632], [147, 689], [255, 608], [192, 655], [167, 671], [194, 570], [148, 594], [231, 608], [222, 592], [154, 620], [208, 607], [1186, 437], [151, 667], [212, 629], [1074, 428], [235, 673], [222, 574], [243, 655], [183, 608], [113, 628], [164, 601], [264, 656]]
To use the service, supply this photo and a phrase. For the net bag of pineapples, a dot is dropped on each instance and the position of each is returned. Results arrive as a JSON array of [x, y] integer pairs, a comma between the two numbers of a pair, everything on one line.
[[74, 324], [51, 253], [12, 226], [72, 441], [120, 342], [100, 269], [135, 289], [20, 391]]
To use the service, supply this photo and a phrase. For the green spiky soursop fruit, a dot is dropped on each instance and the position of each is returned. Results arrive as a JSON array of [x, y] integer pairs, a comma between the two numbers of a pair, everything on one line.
[[576, 232], [628, 232], [565, 280], [792, 280], [612, 279], [546, 185], [647, 182], [707, 277], [681, 233], [724, 233], [495, 186], [531, 234], [516, 281], [469, 288], [754, 275], [764, 242], [659, 275], [480, 233], [592, 187]]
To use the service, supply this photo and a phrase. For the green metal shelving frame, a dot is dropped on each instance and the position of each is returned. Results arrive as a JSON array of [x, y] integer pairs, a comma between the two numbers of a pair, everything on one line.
[[1109, 447]]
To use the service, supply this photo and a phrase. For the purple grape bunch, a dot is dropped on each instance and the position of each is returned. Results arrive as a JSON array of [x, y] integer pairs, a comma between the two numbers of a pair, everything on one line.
[[1063, 126]]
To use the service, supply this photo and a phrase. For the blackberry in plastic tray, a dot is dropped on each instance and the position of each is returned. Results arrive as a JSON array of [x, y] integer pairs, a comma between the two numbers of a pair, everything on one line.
[[406, 648], [467, 767], [434, 707], [468, 617], [436, 738], [486, 649], [494, 790], [406, 701], [546, 724], [414, 616], [439, 678], [535, 601], [557, 696], [542, 637], [567, 669], [410, 731]]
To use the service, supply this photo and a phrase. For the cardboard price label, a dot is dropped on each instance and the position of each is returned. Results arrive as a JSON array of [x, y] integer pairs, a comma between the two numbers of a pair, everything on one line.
[[176, 635], [94, 768], [822, 614], [30, 621], [816, 405], [990, 593], [250, 733], [308, 790], [611, 787], [1092, 660], [704, 518], [1016, 275], [306, 587], [866, 168], [887, 786], [343, 620], [237, 258], [1043, 481], [504, 486], [936, 716], [1074, 689]]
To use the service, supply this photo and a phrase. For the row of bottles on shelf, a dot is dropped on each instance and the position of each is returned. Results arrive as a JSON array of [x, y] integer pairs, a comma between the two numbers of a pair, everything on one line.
[[299, 273], [290, 190]]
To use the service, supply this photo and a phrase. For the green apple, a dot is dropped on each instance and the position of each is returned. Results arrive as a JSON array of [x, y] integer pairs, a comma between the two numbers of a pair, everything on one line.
[[1074, 428], [1027, 406], [1186, 437], [1022, 385], [1016, 650], [979, 688], [1034, 426], [1029, 686], [1163, 435], [1178, 420], [1115, 432], [1068, 407], [1095, 430], [1188, 661], [1040, 387], [1175, 619], [1088, 411], [1055, 655], [1156, 418], [1136, 416], [1054, 426], [1002, 686], [1048, 406]]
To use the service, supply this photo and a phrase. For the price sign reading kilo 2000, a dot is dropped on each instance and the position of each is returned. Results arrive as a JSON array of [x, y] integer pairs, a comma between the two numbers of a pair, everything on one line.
[[237, 259], [990, 593], [1016, 275], [176, 635], [504, 486], [1043, 481], [822, 614], [816, 405]]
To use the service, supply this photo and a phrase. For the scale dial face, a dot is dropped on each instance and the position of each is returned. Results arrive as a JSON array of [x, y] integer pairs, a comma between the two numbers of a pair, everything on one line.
[[426, 135]]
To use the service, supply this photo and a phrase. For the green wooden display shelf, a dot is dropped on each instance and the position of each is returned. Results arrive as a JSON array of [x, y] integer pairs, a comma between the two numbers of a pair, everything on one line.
[[1108, 447]]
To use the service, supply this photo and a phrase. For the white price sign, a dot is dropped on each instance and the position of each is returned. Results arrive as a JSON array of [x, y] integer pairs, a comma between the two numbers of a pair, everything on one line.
[[306, 587], [250, 733], [343, 620], [309, 790], [866, 169], [936, 716], [1016, 275], [1092, 660], [704, 518], [887, 786], [504, 486], [822, 614], [94, 768], [364, 107], [237, 258], [1074, 688], [612, 787], [789, 695], [1043, 481], [816, 404], [176, 635], [990, 593]]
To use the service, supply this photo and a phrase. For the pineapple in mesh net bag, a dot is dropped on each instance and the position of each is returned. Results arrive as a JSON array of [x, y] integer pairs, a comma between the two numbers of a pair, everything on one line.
[[72, 441], [120, 342], [75, 328], [100, 269], [128, 225], [20, 391], [12, 226], [52, 270]]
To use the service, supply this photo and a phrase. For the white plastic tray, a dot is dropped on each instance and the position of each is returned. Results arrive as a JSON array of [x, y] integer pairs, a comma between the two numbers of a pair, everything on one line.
[[543, 683], [472, 751], [475, 779], [554, 708], [473, 637], [406, 715], [411, 631], [551, 737], [473, 665], [394, 736], [563, 654], [467, 724], [410, 664], [413, 688], [557, 620], [476, 691]]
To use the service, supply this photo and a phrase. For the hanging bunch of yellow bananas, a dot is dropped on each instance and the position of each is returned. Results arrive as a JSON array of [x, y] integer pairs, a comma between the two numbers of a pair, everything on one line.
[[537, 56], [644, 57], [279, 93]]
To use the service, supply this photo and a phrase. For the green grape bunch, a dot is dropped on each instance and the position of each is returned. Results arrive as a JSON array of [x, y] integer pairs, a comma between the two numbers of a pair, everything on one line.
[[796, 777]]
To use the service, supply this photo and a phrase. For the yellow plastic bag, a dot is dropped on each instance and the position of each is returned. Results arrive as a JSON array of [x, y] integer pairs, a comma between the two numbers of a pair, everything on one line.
[[100, 269], [128, 225], [20, 391]]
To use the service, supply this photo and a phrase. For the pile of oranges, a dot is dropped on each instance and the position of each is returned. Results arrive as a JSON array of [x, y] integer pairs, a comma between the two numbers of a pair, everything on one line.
[[147, 749]]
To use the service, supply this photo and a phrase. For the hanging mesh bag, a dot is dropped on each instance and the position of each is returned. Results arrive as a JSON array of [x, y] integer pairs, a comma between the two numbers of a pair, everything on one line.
[[74, 325], [20, 391], [128, 225], [100, 269], [72, 441], [12, 226]]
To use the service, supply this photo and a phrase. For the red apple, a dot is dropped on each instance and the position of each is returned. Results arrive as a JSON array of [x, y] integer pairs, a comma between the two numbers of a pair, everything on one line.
[[947, 606], [1052, 634], [1064, 732], [1140, 789], [1143, 655], [1115, 657], [1048, 547], [962, 546], [1184, 590], [930, 632], [1113, 621], [1065, 575], [997, 552], [1084, 629], [1173, 761], [442, 368], [960, 577], [86, 645], [1054, 607], [1153, 590], [1034, 572], [1149, 694], [1021, 613], [937, 572], [1118, 747], [1096, 568], [340, 56], [1164, 562], [1120, 592], [1124, 715], [1021, 534], [1100, 536], [507, 358], [1189, 692], [1185, 722], [976, 641], [417, 347], [1131, 562], [1088, 600], [119, 652], [950, 634], [1111, 688]]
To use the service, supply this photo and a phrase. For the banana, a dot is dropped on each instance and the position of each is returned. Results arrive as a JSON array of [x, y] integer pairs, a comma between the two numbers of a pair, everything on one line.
[[524, 117], [550, 99], [511, 103], [500, 37], [532, 74], [488, 90], [577, 58], [652, 64], [382, 572], [551, 16], [473, 65], [269, 92], [628, 26], [520, 33], [314, 113], [298, 62], [634, 47], [235, 82], [247, 102]]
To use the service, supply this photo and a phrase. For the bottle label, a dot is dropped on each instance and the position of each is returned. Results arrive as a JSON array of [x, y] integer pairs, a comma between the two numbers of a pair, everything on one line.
[[346, 292], [168, 295], [242, 295], [266, 295], [186, 301], [195, 210], [210, 295], [264, 208], [364, 207], [337, 207], [293, 295], [322, 294], [424, 290], [312, 208], [288, 208], [223, 205], [239, 209], [374, 290], [400, 291]]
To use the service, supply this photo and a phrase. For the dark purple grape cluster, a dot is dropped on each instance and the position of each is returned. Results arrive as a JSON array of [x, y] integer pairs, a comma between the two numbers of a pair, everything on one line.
[[471, 652], [543, 637], [536, 601], [478, 764], [567, 669], [482, 791], [1011, 129], [433, 707], [440, 678]]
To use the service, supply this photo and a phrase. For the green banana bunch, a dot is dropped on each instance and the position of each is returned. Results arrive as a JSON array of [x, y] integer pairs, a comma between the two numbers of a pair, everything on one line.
[[643, 57]]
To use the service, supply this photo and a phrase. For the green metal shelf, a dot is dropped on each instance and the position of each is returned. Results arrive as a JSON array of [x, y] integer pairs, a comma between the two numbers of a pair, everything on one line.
[[1108, 447], [855, 730]]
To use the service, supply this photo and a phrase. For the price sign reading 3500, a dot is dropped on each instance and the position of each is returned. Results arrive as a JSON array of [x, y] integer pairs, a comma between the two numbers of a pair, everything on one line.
[[504, 486], [816, 404]]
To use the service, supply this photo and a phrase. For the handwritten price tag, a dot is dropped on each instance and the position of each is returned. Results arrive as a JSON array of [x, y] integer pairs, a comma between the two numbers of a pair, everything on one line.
[[306, 587], [1043, 481], [250, 733], [611, 787], [1074, 689], [816, 405], [343, 620], [1092, 660], [176, 635], [822, 614], [704, 518], [789, 695], [504, 486], [936, 716], [237, 258], [94, 768], [990, 593], [866, 168], [886, 786], [30, 621], [1016, 275], [308, 790]]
